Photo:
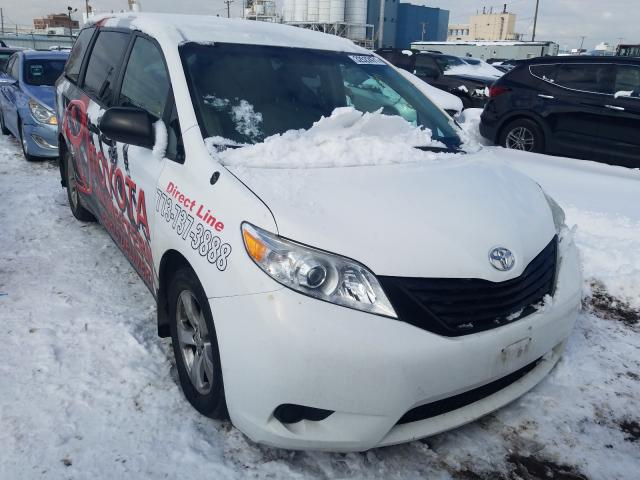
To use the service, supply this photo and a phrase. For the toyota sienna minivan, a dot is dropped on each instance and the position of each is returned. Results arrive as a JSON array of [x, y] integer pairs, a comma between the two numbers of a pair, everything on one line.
[[336, 268]]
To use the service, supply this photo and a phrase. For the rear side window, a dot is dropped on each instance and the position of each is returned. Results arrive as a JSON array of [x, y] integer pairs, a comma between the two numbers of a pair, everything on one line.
[[72, 69], [102, 70], [596, 78], [628, 81], [544, 72], [146, 81], [426, 67]]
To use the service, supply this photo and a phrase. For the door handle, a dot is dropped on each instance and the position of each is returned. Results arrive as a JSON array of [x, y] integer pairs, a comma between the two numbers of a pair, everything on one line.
[[615, 107], [548, 97]]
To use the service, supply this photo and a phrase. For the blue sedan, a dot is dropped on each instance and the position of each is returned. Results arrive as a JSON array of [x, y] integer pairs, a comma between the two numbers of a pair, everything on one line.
[[27, 101]]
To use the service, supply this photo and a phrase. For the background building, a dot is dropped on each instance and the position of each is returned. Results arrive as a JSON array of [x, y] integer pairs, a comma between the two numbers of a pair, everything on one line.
[[404, 23], [55, 20], [487, 26]]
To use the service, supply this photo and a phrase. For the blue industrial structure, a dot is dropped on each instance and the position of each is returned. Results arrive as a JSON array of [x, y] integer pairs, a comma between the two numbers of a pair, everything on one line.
[[405, 23]]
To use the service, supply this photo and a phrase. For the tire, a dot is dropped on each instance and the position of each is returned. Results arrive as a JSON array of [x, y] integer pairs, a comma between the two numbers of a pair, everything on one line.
[[73, 196], [522, 134], [3, 128], [23, 142], [194, 341]]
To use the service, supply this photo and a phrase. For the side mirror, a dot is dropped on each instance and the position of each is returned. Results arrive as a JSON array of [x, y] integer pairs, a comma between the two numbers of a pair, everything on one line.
[[132, 126]]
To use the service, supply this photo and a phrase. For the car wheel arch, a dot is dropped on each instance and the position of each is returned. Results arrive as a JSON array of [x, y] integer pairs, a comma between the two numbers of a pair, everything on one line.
[[519, 116], [171, 261]]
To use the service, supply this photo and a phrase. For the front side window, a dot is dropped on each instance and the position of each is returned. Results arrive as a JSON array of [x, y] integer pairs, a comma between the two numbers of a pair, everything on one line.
[[247, 93], [15, 68], [72, 70], [426, 67], [146, 82], [593, 77], [102, 69], [628, 81], [39, 72], [4, 58]]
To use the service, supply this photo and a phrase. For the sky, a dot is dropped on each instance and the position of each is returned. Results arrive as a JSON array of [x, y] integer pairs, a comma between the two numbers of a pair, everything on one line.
[[563, 21]]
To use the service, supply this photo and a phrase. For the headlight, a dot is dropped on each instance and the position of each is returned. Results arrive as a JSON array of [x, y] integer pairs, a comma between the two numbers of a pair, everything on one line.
[[557, 212], [319, 274], [42, 114]]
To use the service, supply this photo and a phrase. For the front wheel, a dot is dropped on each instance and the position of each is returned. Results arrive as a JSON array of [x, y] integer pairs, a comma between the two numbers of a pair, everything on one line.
[[24, 143], [73, 196], [195, 345], [523, 134]]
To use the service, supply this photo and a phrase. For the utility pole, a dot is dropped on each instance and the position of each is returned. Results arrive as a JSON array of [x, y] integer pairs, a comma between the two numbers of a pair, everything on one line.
[[582, 41], [535, 22], [2, 20], [424, 29], [87, 8], [228, 2], [381, 24]]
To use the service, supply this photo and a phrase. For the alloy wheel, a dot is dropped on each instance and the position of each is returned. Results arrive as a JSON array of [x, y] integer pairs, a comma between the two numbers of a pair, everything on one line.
[[194, 342], [521, 138]]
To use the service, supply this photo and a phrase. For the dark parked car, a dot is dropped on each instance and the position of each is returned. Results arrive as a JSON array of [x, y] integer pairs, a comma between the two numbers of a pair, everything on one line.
[[446, 72], [583, 107]]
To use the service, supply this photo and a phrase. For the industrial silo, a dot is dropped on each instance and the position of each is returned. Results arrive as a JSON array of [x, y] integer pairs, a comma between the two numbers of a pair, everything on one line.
[[355, 12], [313, 7], [300, 11], [336, 11], [287, 10], [324, 11]]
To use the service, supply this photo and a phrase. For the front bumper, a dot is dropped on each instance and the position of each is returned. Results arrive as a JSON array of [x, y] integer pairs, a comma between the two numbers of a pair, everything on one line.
[[42, 140], [284, 348]]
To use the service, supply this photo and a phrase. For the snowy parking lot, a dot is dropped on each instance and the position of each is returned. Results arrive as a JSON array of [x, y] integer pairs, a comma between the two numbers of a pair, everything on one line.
[[88, 390]]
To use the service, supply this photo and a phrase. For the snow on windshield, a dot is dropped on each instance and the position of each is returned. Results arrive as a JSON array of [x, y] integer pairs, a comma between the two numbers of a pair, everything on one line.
[[482, 69], [246, 120], [347, 138]]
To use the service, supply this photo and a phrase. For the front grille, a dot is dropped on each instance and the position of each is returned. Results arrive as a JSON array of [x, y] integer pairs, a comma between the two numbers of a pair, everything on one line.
[[460, 306], [450, 404]]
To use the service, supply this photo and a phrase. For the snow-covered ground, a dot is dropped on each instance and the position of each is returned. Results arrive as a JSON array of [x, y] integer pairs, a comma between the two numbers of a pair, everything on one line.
[[87, 389]]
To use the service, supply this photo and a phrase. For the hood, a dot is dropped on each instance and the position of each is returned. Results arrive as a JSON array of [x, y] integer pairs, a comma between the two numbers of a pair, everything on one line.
[[44, 94], [432, 219]]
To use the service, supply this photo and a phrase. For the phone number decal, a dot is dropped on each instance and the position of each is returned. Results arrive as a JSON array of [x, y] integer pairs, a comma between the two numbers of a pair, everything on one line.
[[202, 241]]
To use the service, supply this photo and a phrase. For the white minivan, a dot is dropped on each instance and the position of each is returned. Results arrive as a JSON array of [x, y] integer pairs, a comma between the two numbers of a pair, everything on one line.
[[337, 269]]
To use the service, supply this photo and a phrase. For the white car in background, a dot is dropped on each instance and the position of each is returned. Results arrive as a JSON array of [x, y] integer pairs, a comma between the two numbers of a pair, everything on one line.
[[334, 272]]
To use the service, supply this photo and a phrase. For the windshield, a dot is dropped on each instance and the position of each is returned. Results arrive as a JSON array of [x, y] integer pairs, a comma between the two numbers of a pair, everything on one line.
[[447, 61], [247, 93], [42, 71]]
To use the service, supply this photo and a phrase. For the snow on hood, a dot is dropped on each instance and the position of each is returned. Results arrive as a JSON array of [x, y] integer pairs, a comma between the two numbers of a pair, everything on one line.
[[347, 138], [481, 70]]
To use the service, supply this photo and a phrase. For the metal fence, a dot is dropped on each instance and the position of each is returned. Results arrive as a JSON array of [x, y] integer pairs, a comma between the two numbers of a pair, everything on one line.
[[37, 41]]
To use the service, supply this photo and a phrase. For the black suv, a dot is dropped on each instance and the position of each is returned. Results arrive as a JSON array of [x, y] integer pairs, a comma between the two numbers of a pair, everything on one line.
[[446, 72], [583, 107]]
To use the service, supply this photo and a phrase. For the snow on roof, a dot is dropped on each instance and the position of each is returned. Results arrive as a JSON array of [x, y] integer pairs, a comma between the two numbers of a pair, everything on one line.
[[483, 43], [208, 29]]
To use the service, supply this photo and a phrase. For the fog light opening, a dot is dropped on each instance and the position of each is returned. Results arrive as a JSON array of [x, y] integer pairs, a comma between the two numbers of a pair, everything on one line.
[[41, 142], [291, 413]]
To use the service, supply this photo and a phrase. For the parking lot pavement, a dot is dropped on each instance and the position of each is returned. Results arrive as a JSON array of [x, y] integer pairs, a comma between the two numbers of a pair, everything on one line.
[[88, 390]]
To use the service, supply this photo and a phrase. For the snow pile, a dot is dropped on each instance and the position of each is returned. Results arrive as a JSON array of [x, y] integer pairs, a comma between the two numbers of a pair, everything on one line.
[[480, 70], [469, 121], [347, 138], [246, 119], [162, 140]]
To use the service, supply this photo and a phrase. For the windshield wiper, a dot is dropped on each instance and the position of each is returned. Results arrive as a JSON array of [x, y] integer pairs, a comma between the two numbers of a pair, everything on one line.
[[429, 148]]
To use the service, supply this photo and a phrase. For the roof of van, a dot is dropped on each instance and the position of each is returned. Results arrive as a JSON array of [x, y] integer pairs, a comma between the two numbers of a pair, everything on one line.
[[209, 29]]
